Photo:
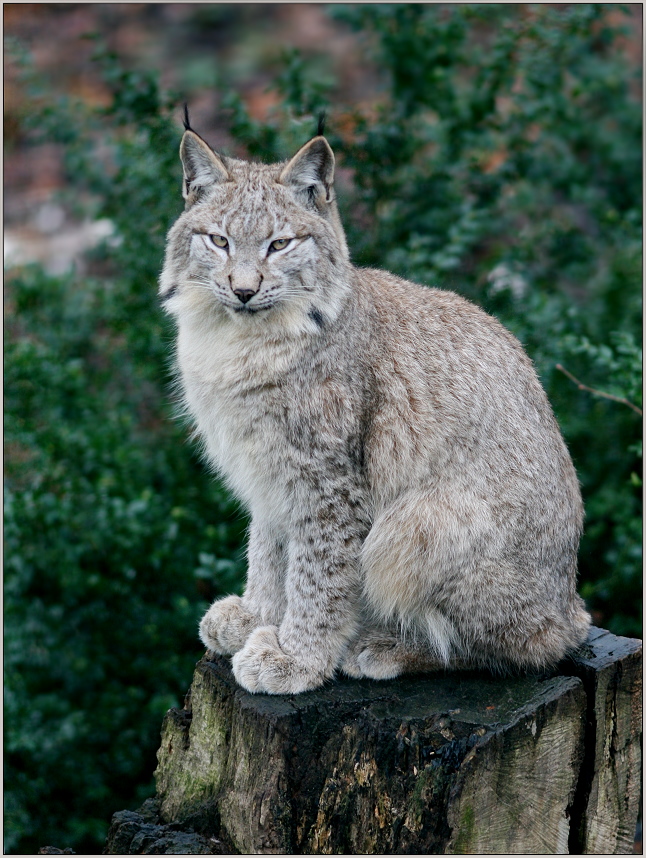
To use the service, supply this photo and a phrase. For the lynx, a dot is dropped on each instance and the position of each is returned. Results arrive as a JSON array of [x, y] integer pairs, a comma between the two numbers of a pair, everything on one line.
[[413, 505]]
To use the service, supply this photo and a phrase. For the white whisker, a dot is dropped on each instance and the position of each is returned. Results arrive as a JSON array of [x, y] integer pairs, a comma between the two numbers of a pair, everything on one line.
[[203, 284]]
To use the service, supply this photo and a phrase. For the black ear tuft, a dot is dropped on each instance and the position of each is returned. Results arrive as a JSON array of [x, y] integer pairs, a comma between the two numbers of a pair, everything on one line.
[[187, 123], [321, 125]]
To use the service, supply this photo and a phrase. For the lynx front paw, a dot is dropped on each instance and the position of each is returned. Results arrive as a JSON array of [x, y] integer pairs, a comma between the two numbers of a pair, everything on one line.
[[262, 666], [226, 626]]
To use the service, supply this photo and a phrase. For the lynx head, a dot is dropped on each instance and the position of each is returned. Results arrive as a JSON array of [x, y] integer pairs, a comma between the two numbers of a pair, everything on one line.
[[257, 244]]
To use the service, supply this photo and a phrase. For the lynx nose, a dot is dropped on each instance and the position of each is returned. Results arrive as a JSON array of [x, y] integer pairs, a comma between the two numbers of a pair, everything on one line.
[[245, 285], [244, 295]]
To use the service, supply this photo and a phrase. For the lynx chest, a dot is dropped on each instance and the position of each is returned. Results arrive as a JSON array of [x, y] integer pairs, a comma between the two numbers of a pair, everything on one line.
[[253, 413]]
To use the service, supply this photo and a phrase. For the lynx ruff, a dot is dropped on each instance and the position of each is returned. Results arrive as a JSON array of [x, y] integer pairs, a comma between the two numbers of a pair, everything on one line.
[[413, 505]]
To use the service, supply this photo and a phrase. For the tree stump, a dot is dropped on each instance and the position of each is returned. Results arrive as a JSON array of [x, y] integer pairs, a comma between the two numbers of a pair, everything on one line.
[[440, 764]]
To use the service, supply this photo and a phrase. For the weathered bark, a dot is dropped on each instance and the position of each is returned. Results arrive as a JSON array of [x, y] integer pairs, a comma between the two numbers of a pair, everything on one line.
[[142, 833], [54, 850], [610, 779], [451, 763]]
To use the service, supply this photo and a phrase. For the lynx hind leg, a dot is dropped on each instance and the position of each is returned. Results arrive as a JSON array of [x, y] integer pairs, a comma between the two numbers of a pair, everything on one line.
[[226, 625], [383, 654], [416, 548], [374, 656]]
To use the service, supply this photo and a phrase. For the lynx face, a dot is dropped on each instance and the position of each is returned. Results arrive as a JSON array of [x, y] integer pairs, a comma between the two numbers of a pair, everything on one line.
[[253, 237]]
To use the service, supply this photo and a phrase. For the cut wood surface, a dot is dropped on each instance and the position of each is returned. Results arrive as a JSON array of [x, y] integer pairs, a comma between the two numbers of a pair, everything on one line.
[[448, 763]]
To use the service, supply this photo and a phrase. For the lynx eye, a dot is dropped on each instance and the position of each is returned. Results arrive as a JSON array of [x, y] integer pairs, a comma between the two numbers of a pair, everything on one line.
[[279, 244], [219, 240]]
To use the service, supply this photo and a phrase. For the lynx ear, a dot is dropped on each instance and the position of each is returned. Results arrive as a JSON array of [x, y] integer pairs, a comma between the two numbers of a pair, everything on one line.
[[311, 170], [202, 167]]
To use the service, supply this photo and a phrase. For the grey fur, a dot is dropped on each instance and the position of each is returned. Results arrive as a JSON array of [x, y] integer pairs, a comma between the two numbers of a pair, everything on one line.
[[413, 504]]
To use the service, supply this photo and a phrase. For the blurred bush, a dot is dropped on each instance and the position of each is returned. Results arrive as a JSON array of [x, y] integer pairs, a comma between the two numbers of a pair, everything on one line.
[[503, 160], [116, 537]]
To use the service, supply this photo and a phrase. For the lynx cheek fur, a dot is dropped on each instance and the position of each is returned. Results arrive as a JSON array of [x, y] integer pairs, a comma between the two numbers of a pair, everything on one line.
[[413, 504]]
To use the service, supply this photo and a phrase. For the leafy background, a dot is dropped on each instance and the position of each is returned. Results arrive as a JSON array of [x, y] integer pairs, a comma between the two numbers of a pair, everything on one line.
[[490, 149]]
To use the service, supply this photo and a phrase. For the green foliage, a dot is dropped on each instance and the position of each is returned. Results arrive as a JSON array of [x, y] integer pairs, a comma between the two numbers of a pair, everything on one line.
[[504, 161], [108, 518], [115, 536]]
